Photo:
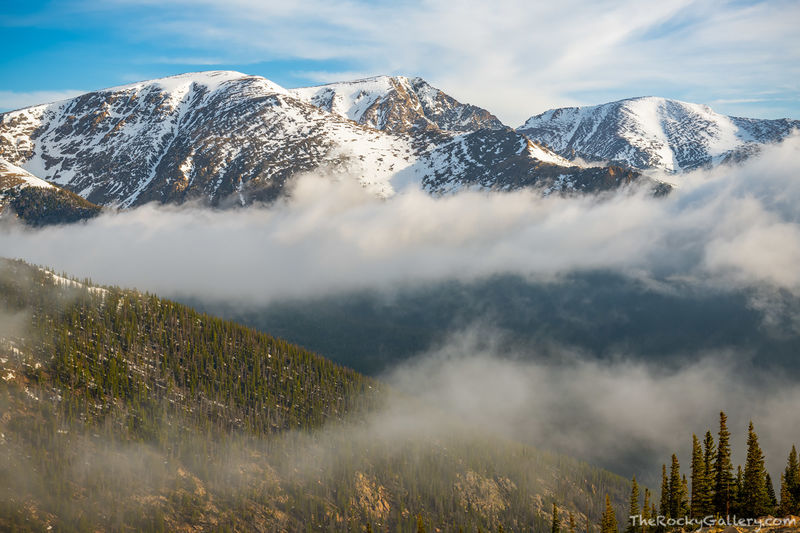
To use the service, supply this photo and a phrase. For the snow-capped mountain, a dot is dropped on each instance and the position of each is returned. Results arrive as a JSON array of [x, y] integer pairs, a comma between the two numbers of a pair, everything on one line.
[[12, 176], [36, 202], [204, 135], [398, 104], [653, 133], [224, 136]]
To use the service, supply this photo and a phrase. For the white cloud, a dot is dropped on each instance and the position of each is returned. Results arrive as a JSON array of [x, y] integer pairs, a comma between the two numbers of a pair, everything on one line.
[[517, 58], [731, 227], [626, 414], [10, 100]]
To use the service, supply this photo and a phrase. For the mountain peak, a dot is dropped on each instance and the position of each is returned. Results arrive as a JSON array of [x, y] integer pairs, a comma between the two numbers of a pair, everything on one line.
[[397, 104], [210, 79], [653, 133]]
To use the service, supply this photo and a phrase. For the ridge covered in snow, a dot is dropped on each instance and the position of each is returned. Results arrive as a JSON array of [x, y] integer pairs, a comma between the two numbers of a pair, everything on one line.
[[397, 104], [654, 133], [13, 176], [225, 138]]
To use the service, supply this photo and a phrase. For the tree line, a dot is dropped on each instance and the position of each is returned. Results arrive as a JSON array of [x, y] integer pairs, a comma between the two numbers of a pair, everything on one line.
[[712, 488]]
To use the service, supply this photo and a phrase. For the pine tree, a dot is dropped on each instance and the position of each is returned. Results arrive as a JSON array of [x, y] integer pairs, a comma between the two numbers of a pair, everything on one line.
[[572, 526], [723, 470], [665, 493], [678, 500], [754, 497], [556, 526], [608, 523], [787, 505], [791, 480], [773, 501], [684, 509], [707, 496], [634, 527], [646, 511], [736, 492], [699, 480]]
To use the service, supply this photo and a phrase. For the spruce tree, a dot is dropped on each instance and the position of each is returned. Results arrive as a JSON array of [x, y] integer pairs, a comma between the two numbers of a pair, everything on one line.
[[665, 493], [707, 496], [684, 509], [646, 511], [608, 523], [736, 492], [754, 497], [699, 480], [634, 526], [677, 492], [787, 505], [791, 478], [723, 470], [773, 501], [555, 526]]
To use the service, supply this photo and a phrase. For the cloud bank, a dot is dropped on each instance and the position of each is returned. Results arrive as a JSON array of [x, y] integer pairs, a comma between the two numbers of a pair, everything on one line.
[[627, 415], [729, 228]]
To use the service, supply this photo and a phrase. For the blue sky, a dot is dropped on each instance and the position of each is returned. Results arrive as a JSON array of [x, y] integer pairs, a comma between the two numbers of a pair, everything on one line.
[[514, 58]]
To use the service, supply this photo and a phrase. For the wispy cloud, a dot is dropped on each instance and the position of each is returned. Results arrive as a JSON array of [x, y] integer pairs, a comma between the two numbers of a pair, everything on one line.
[[15, 100], [516, 58]]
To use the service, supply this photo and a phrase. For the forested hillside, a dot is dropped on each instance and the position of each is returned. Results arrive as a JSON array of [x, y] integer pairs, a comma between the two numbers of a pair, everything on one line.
[[42, 207], [121, 411]]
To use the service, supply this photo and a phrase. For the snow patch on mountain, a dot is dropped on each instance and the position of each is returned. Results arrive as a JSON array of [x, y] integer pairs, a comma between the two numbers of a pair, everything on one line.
[[653, 133], [397, 104], [14, 176]]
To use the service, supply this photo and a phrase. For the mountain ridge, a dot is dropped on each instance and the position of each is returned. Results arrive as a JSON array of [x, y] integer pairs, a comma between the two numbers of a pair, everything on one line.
[[654, 133], [228, 138]]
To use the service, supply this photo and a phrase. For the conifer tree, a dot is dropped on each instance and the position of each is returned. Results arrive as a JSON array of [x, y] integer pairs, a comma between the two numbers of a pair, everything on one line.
[[665, 493], [608, 523], [572, 526], [723, 470], [684, 498], [677, 491], [736, 492], [707, 496], [646, 511], [754, 497], [791, 480], [773, 501], [699, 480], [634, 527], [787, 505], [556, 526]]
